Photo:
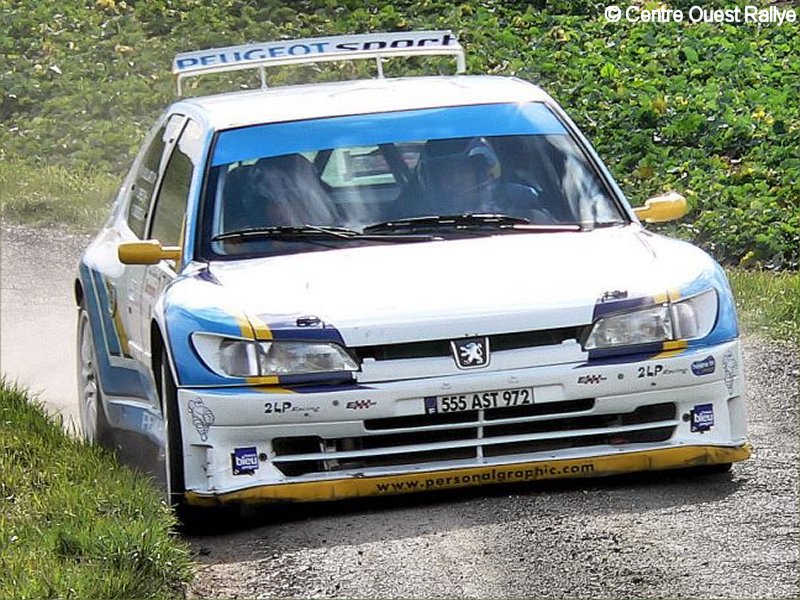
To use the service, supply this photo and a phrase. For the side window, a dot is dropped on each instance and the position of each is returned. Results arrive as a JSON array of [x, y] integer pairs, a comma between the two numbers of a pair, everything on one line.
[[147, 174], [170, 205], [144, 183]]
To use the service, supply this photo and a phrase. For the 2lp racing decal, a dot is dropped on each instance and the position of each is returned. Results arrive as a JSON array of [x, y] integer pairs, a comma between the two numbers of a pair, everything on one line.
[[658, 370], [286, 406], [650, 371]]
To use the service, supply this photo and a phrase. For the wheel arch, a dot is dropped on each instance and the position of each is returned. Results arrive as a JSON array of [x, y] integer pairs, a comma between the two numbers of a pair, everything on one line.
[[157, 349], [77, 289]]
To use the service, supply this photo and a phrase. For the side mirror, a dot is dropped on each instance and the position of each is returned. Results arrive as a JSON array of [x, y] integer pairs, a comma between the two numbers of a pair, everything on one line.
[[659, 209], [148, 252]]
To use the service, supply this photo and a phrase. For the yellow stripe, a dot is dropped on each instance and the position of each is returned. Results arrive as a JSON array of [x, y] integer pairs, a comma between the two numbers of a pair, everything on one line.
[[671, 348], [671, 295], [260, 328], [121, 333], [336, 489], [244, 326], [263, 380], [252, 333]]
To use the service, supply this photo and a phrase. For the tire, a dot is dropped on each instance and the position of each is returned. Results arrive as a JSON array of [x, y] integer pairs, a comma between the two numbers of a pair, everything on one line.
[[94, 424], [192, 519], [173, 440]]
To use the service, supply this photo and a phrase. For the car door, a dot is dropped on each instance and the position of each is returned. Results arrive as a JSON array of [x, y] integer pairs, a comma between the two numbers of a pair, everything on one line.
[[167, 220], [148, 178]]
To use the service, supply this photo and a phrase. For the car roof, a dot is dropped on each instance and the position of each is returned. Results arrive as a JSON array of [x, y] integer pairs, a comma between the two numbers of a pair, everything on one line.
[[300, 102]]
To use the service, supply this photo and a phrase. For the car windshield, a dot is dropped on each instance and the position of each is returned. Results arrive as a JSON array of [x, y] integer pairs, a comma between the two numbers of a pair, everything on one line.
[[431, 174]]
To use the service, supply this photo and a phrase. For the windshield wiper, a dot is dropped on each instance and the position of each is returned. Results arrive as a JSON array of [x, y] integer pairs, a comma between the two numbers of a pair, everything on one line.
[[469, 221], [315, 233]]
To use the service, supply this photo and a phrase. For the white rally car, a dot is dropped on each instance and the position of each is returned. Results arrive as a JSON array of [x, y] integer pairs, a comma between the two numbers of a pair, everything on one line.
[[390, 285]]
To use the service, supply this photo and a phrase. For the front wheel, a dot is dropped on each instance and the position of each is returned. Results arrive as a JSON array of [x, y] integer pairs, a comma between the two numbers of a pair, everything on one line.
[[173, 440], [94, 425], [192, 518]]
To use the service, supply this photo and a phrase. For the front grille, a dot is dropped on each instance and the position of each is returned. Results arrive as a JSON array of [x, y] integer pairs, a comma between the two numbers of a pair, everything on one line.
[[497, 342], [472, 416], [469, 435]]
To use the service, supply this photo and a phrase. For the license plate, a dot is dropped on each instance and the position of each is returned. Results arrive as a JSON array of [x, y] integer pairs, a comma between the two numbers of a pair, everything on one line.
[[482, 400]]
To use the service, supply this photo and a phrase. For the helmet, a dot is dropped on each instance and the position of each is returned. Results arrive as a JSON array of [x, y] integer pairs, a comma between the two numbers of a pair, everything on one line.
[[457, 171]]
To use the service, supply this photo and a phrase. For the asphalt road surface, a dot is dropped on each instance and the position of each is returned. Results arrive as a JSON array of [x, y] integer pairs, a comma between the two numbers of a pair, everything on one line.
[[664, 535]]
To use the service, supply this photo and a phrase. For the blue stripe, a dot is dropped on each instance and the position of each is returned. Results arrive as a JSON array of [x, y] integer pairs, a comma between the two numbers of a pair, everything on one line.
[[726, 328], [114, 381], [275, 139], [109, 329]]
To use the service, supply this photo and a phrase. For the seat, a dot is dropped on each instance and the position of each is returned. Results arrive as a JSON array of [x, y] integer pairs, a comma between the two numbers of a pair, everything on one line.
[[291, 191]]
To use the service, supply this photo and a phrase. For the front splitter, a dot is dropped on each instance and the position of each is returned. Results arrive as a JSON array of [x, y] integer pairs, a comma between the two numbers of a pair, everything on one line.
[[386, 485]]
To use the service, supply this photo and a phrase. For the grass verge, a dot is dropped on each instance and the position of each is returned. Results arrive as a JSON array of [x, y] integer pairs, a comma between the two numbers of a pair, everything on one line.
[[54, 195], [768, 302], [74, 524]]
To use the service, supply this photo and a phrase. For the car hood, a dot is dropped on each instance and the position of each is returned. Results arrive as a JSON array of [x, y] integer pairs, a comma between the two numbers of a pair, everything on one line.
[[396, 293]]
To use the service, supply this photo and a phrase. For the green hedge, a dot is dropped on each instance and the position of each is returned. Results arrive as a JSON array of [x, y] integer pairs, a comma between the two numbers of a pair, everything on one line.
[[74, 524], [708, 110]]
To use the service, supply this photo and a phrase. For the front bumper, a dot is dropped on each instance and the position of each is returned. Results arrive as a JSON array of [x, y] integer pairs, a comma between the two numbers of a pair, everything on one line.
[[678, 409], [337, 489]]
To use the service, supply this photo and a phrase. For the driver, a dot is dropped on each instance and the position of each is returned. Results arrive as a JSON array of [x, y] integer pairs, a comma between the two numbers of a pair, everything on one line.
[[458, 176]]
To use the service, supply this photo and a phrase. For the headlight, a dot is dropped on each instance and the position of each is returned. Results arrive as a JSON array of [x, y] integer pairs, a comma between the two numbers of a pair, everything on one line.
[[234, 357], [688, 319]]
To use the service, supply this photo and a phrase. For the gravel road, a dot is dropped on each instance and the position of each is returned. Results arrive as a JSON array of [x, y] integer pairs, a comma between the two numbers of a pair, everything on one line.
[[657, 536]]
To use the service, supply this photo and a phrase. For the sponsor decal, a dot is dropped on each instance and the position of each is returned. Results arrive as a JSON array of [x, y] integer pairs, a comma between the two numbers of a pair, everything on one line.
[[202, 417], [704, 367], [244, 460], [430, 405], [272, 407], [650, 371], [730, 368], [493, 475], [192, 61], [702, 418], [675, 371], [277, 406], [359, 404], [659, 370], [590, 379], [471, 353]]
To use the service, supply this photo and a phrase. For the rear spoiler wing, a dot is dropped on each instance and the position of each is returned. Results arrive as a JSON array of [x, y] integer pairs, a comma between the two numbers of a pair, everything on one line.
[[375, 46]]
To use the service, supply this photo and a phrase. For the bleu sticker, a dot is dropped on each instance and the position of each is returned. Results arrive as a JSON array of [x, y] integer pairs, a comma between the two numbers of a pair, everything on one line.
[[430, 405], [702, 417], [245, 461], [704, 367]]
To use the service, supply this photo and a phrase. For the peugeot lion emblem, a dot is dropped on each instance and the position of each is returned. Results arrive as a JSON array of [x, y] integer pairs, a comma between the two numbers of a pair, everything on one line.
[[471, 353]]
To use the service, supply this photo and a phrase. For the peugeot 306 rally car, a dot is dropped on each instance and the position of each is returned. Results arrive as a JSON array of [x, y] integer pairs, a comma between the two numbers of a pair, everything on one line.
[[391, 285]]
